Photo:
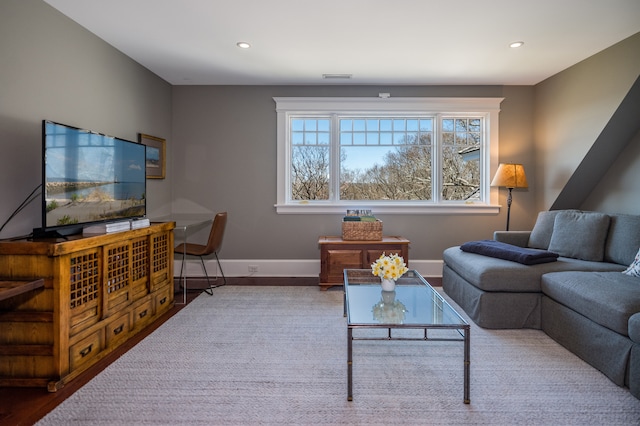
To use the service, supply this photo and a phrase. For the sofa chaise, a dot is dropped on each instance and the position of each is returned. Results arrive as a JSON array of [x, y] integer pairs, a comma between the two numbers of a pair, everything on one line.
[[581, 298]]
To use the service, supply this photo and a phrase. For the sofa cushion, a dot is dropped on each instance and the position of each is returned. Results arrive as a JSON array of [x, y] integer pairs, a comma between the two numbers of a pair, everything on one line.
[[541, 233], [580, 235], [634, 269], [607, 298], [623, 239], [491, 274]]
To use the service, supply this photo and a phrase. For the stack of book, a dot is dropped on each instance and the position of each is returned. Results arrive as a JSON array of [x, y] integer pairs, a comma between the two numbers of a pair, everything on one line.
[[359, 215], [359, 218], [106, 228]]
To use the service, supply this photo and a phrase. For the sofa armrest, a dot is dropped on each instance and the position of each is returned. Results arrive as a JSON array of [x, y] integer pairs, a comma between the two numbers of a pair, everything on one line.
[[634, 327], [517, 238]]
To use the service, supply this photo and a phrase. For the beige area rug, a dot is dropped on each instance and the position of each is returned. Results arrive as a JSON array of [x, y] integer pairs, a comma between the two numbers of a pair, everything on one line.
[[277, 355]]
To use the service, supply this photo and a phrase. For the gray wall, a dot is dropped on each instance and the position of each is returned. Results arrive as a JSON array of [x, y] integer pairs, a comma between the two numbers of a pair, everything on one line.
[[51, 68], [224, 153], [618, 191], [571, 110]]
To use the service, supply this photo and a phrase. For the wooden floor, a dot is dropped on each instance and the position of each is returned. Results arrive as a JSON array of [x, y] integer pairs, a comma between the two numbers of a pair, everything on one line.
[[25, 406]]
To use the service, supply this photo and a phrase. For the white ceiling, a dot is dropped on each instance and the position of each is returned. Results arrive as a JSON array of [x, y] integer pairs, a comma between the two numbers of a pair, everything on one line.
[[380, 42]]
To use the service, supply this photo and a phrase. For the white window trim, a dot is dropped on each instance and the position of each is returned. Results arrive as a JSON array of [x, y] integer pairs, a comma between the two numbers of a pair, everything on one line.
[[489, 107]]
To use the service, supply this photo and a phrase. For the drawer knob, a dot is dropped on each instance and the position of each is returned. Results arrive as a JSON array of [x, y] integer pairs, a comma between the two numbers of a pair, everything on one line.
[[143, 314], [118, 330]]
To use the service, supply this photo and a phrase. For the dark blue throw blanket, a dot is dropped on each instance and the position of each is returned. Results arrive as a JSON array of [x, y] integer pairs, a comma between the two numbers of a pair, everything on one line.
[[526, 256]]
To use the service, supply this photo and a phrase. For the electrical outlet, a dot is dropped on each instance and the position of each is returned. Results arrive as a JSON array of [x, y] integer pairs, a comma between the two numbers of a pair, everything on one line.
[[253, 268]]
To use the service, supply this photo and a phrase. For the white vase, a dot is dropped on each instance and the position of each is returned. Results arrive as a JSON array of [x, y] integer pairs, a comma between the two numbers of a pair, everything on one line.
[[388, 285]]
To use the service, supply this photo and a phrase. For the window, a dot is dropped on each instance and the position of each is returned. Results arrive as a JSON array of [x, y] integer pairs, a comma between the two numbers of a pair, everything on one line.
[[385, 158], [406, 155]]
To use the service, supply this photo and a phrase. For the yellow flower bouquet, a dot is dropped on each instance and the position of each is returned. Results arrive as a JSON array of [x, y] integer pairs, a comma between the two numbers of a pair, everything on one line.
[[389, 267]]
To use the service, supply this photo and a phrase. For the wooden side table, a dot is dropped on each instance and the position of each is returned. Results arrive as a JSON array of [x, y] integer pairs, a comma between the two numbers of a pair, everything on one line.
[[336, 255]]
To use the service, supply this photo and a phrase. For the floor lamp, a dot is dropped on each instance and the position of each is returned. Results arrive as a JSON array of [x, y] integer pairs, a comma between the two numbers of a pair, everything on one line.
[[510, 175]]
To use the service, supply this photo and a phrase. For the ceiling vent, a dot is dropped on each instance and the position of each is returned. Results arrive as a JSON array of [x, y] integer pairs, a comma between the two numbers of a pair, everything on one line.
[[337, 76]]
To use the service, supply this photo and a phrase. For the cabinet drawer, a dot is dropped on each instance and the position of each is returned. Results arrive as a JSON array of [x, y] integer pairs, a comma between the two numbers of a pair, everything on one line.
[[163, 299], [374, 254], [339, 260], [142, 314], [85, 350], [81, 319], [117, 329]]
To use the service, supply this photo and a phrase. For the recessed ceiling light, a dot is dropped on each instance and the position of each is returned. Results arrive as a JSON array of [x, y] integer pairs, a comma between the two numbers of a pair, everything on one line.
[[243, 45], [516, 44]]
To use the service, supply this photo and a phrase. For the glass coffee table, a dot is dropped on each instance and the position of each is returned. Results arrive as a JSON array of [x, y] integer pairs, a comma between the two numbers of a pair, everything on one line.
[[366, 306]]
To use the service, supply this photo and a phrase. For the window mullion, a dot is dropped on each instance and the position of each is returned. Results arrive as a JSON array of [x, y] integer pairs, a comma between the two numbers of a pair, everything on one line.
[[436, 155], [334, 173]]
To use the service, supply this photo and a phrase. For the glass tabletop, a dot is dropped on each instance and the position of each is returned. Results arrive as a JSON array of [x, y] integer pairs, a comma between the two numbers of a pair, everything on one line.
[[413, 303]]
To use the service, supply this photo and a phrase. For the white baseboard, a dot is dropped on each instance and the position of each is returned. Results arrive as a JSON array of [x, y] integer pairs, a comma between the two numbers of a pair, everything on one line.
[[282, 267]]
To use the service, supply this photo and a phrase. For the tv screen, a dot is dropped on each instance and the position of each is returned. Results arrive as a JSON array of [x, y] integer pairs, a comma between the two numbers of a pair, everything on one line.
[[90, 177]]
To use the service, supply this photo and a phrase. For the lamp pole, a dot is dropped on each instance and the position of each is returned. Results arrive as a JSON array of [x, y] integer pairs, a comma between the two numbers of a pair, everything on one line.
[[509, 207]]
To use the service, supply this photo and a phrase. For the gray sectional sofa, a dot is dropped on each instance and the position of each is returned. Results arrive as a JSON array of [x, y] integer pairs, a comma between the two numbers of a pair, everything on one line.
[[582, 299]]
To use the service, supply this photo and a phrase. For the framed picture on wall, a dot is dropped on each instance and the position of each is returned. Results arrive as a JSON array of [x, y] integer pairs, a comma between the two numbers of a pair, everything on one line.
[[156, 151]]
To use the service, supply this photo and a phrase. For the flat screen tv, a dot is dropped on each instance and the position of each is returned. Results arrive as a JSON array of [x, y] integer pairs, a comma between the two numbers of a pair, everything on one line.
[[88, 178]]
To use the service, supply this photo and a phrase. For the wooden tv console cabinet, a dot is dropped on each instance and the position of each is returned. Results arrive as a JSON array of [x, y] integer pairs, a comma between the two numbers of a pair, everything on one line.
[[98, 292]]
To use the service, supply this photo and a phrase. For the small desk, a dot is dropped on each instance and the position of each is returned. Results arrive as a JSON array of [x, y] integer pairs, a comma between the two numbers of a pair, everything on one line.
[[186, 224], [8, 289]]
